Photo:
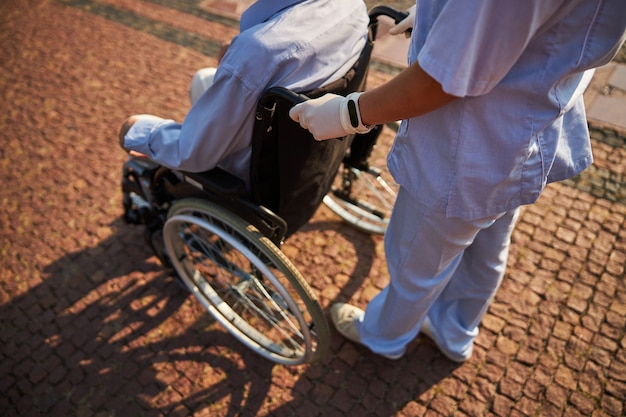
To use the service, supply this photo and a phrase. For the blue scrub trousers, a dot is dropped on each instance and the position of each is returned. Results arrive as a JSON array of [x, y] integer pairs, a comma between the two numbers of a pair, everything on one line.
[[444, 270]]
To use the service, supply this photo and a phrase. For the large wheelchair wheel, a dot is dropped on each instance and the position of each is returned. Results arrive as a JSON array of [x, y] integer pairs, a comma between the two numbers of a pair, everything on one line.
[[245, 282], [363, 192]]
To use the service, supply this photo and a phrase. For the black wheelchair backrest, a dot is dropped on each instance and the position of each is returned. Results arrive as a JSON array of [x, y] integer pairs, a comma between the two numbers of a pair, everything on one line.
[[291, 172]]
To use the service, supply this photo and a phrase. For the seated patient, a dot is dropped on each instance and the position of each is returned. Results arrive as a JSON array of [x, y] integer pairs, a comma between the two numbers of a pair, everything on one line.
[[300, 45]]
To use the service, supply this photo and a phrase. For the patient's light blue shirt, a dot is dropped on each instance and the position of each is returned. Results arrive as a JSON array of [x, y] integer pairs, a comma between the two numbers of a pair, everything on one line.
[[520, 68], [301, 47]]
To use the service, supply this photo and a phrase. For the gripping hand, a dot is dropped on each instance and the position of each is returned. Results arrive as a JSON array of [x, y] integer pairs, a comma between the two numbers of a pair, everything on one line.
[[405, 25], [330, 116]]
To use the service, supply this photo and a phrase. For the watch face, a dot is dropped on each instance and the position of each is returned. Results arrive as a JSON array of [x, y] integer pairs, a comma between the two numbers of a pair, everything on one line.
[[352, 112]]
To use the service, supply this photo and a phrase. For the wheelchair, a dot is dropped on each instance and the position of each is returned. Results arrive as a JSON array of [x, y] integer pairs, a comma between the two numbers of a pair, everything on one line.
[[223, 239]]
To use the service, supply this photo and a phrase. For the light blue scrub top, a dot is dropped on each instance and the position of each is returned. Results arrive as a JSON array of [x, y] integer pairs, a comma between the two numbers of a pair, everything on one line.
[[301, 47], [519, 67]]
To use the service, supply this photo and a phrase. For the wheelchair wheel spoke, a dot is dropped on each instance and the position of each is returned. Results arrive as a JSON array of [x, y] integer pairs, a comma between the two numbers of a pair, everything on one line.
[[362, 198], [266, 309], [371, 187]]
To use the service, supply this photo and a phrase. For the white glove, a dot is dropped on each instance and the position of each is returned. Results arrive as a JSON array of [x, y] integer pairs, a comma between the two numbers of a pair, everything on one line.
[[405, 24], [330, 116]]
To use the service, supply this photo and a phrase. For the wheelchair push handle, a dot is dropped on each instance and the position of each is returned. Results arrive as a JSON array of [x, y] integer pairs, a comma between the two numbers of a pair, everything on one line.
[[281, 93], [393, 13]]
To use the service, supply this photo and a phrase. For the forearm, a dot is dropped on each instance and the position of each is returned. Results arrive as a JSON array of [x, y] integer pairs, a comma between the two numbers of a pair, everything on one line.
[[411, 93]]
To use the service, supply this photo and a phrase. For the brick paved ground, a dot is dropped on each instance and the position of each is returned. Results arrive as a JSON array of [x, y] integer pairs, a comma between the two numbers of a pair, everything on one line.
[[90, 325]]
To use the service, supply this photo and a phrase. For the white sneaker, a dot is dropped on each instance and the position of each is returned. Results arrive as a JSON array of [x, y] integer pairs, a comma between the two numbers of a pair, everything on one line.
[[344, 316], [454, 357]]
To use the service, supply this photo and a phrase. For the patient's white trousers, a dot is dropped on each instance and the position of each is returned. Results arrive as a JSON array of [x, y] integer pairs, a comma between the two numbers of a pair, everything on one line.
[[201, 81], [442, 269]]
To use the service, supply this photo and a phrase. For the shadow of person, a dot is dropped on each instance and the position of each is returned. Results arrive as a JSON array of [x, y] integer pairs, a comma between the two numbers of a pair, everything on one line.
[[107, 328], [353, 381]]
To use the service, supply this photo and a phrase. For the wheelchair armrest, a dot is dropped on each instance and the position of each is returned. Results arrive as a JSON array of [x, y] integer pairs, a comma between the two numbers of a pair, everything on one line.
[[218, 181], [233, 191]]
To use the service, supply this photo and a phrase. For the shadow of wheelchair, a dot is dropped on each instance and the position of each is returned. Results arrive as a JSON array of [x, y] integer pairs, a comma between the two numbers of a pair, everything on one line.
[[108, 328]]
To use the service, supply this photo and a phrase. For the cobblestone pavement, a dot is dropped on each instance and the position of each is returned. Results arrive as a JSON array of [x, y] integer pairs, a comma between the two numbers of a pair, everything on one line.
[[91, 325]]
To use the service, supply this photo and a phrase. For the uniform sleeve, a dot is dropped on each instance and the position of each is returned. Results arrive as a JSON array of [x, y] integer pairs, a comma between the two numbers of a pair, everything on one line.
[[472, 44]]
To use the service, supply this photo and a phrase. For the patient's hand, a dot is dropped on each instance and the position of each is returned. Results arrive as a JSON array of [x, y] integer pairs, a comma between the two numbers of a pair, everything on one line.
[[405, 25], [128, 123], [136, 154]]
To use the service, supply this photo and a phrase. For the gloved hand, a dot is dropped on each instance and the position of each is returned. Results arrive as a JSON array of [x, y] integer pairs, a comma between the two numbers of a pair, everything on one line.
[[330, 116], [405, 25]]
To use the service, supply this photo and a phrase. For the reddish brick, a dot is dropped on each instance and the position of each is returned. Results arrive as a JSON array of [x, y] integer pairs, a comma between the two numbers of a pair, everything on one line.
[[510, 388], [557, 395], [583, 403], [471, 406], [342, 401], [613, 406], [527, 406], [411, 409], [443, 404]]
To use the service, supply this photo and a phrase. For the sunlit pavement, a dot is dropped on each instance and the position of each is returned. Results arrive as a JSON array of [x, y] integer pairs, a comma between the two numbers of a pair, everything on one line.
[[91, 324]]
